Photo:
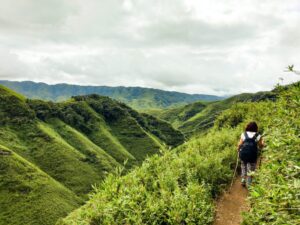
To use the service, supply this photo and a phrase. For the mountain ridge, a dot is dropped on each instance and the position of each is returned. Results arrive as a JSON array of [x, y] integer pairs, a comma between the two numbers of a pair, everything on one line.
[[136, 97], [199, 116]]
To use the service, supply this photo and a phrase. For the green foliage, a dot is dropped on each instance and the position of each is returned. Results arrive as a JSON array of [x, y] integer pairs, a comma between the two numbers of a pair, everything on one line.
[[13, 108], [198, 117], [43, 110], [176, 188], [275, 198], [177, 116], [164, 131], [29, 196]]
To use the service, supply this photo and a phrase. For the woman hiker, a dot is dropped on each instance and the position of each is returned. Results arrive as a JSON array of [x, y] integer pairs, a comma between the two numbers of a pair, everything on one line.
[[248, 147]]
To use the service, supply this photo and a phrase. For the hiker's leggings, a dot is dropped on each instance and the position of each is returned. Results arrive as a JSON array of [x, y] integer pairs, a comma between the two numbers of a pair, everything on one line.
[[247, 168]]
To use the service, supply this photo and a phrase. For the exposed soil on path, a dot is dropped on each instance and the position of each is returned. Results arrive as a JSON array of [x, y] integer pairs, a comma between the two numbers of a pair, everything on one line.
[[231, 204]]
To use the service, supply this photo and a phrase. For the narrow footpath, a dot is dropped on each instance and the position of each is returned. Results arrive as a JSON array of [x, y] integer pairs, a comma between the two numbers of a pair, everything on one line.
[[231, 204]]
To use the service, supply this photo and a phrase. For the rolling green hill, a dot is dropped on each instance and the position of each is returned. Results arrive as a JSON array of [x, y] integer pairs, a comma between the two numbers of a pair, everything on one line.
[[30, 196], [199, 116], [136, 97], [180, 187], [57, 151]]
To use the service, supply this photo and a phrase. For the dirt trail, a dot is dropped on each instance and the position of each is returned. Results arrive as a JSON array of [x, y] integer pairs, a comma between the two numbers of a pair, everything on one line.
[[231, 205]]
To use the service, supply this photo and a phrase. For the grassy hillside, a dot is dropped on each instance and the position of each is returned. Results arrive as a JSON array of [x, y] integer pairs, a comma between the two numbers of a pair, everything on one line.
[[30, 196], [74, 144], [180, 186], [178, 115], [172, 189], [198, 117], [275, 198], [136, 97]]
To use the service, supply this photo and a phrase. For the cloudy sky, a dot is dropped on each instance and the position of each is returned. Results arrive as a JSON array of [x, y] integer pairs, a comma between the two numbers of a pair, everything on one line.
[[205, 46]]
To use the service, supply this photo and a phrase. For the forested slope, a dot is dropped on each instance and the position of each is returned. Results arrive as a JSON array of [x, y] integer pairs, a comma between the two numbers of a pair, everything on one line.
[[59, 150], [180, 186], [199, 116]]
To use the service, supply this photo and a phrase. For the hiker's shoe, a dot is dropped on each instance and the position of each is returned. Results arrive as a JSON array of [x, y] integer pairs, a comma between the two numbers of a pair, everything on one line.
[[243, 182]]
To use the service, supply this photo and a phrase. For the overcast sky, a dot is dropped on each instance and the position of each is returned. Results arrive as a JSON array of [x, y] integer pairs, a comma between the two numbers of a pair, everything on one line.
[[208, 46]]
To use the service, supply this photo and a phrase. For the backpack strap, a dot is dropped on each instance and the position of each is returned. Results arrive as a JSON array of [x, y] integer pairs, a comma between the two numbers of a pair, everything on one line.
[[246, 135], [255, 136]]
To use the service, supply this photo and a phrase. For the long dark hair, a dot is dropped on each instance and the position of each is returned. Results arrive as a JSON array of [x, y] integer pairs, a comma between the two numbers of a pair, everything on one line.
[[252, 126]]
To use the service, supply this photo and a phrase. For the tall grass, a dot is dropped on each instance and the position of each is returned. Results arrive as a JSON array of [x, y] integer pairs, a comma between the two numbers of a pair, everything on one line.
[[176, 188]]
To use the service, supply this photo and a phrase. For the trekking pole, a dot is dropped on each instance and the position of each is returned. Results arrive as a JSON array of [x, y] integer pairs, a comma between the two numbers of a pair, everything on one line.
[[236, 166]]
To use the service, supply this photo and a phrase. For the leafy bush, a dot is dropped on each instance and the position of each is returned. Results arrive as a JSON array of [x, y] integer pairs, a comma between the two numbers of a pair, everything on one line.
[[176, 188], [13, 108], [43, 110]]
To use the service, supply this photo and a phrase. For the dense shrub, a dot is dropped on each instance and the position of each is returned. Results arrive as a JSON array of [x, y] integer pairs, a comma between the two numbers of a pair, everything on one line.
[[43, 110], [14, 110], [176, 188]]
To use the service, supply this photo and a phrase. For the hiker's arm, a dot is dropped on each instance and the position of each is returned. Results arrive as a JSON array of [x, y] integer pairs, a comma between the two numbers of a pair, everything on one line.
[[261, 143], [240, 144]]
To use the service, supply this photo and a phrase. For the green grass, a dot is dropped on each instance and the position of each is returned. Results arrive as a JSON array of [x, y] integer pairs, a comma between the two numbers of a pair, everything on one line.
[[178, 115], [4, 91], [101, 134], [127, 129], [275, 197], [30, 196], [48, 150], [94, 154], [198, 117], [176, 188]]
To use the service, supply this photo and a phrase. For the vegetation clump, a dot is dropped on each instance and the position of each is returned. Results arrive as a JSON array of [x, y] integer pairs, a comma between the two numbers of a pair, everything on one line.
[[176, 188]]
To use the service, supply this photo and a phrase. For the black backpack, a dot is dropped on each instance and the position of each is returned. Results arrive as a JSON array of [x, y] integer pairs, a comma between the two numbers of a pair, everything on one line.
[[249, 149]]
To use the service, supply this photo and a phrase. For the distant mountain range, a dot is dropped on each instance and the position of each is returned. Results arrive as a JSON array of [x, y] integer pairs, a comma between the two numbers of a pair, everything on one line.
[[136, 97]]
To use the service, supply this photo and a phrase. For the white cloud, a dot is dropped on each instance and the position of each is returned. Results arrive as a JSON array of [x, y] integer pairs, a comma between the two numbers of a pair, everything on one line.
[[209, 46]]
